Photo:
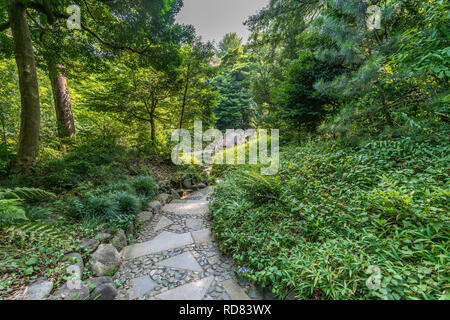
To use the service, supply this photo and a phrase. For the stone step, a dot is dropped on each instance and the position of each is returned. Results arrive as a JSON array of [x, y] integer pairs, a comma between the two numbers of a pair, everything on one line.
[[202, 236], [191, 201], [183, 261], [140, 286], [234, 290], [187, 207], [164, 241], [192, 291], [162, 223]]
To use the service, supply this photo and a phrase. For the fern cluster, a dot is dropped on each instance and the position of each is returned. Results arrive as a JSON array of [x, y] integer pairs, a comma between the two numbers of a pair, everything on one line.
[[11, 200]]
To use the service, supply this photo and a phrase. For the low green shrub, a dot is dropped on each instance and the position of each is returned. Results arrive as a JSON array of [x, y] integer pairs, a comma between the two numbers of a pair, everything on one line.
[[195, 173], [101, 206], [343, 222], [117, 187], [128, 203], [145, 186]]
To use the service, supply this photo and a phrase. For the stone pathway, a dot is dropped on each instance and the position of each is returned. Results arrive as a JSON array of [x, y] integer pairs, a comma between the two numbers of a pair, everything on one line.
[[175, 258]]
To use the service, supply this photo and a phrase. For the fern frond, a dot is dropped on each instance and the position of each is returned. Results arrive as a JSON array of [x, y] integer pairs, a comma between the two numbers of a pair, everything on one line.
[[11, 211], [34, 231], [27, 194]]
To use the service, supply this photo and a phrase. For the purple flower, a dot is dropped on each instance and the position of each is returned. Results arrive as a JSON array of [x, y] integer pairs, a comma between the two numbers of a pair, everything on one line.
[[243, 270]]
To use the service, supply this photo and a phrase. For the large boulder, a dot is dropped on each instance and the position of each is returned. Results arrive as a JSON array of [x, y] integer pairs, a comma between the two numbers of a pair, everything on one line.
[[39, 289], [89, 244], [105, 260], [101, 288], [155, 206], [164, 198], [119, 240], [71, 291]]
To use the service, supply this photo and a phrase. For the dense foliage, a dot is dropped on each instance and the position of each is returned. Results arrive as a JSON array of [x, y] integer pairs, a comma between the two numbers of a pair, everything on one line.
[[335, 211], [362, 193], [359, 209]]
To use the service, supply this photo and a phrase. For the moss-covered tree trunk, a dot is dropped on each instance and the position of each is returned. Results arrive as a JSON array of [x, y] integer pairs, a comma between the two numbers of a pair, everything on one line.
[[28, 83], [61, 97]]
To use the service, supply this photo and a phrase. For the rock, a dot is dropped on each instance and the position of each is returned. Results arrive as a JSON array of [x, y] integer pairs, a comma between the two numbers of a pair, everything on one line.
[[119, 240], [39, 289], [174, 194], [155, 206], [291, 296], [164, 198], [103, 236], [101, 288], [269, 295], [105, 260], [200, 185], [145, 217], [194, 224], [89, 244], [187, 184], [252, 294], [71, 292], [105, 291], [92, 283], [76, 265]]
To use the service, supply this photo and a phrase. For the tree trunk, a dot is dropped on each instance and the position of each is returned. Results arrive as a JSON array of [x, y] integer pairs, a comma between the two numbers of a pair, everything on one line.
[[152, 119], [28, 83], [152, 124], [61, 96], [5, 139], [183, 106], [384, 104]]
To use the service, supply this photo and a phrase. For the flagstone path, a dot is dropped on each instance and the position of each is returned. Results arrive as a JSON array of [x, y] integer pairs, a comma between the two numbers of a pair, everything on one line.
[[175, 258]]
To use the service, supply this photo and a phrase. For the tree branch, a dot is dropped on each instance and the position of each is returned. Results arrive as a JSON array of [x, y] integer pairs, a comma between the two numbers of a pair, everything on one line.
[[51, 15]]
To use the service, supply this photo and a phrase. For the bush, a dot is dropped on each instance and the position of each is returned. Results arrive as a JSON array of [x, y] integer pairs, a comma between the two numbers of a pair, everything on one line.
[[128, 203], [117, 187], [146, 186], [339, 217], [101, 206], [195, 173]]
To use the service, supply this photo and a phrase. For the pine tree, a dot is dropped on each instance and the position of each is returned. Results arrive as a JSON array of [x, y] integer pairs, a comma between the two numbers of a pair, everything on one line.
[[361, 45], [235, 107]]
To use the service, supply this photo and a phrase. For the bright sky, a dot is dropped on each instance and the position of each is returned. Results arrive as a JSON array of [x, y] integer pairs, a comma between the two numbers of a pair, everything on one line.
[[213, 19]]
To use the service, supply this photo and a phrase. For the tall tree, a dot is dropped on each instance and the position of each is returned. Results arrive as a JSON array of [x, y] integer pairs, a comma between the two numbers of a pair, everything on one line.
[[362, 49], [229, 41], [194, 73], [235, 108], [144, 27], [61, 97], [136, 94], [28, 83]]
